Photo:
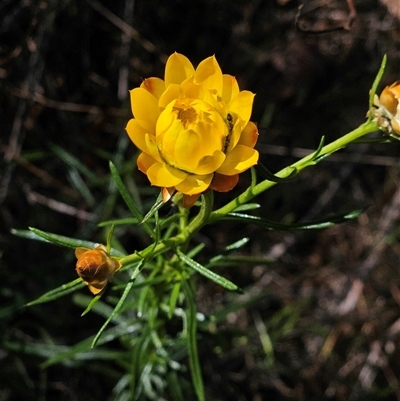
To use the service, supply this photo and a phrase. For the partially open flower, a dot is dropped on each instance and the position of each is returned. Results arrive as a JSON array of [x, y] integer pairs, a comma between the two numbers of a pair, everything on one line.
[[96, 267], [387, 113], [193, 129]]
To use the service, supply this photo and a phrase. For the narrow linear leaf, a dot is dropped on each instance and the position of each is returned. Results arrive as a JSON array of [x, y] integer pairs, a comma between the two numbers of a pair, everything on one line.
[[127, 198], [58, 292], [73, 162], [268, 175], [247, 206], [222, 281], [316, 225], [65, 241], [376, 83], [191, 336], [229, 249], [39, 235], [119, 304], [155, 208], [118, 222], [92, 303], [319, 149], [174, 299]]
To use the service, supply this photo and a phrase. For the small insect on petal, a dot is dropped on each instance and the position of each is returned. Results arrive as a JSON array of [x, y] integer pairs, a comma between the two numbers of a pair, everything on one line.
[[96, 267]]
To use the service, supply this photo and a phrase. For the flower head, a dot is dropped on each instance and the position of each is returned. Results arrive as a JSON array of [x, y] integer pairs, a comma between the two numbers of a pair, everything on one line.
[[96, 267], [387, 113], [193, 129]]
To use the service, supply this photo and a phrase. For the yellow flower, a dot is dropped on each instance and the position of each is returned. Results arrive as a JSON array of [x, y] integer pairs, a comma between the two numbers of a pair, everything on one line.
[[96, 267], [193, 129], [387, 113]]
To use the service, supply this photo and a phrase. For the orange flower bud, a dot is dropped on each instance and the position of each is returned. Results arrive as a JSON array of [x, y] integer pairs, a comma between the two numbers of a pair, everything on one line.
[[96, 267], [387, 113]]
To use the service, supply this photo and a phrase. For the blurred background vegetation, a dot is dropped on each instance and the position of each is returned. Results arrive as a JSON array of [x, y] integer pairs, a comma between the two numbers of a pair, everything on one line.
[[320, 317]]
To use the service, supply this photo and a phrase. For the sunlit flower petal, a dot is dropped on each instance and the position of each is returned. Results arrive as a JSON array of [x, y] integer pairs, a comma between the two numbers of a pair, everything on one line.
[[242, 105], [177, 69], [209, 75], [155, 86], [238, 160], [144, 105], [249, 135], [137, 130], [230, 88], [194, 184], [144, 162], [162, 175]]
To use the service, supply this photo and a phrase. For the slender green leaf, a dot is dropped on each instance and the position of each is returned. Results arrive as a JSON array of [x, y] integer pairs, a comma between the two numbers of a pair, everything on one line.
[[93, 302], [174, 299], [174, 387], [155, 208], [319, 149], [191, 336], [127, 198], [207, 201], [109, 238], [35, 234], [118, 222], [58, 292], [268, 175], [222, 281], [78, 183], [229, 249], [120, 302], [73, 162], [61, 240], [247, 206], [376, 84], [316, 225]]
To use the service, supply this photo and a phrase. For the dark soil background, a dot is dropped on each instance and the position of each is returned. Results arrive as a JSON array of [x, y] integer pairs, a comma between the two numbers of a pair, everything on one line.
[[330, 299]]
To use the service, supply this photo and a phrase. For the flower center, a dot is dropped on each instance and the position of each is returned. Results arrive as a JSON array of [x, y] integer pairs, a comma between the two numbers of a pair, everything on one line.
[[186, 113]]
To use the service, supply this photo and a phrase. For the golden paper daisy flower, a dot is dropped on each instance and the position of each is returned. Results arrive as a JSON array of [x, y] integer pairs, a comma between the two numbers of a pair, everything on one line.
[[193, 129]]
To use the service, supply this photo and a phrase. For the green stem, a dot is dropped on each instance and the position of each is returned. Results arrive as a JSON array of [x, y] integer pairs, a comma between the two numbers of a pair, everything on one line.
[[364, 129]]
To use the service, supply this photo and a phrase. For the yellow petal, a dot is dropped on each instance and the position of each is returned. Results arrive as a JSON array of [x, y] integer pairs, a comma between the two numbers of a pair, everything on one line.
[[230, 88], [144, 106], [162, 175], [177, 69], [249, 135], [191, 90], [152, 148], [155, 86], [171, 93], [137, 131], [95, 288], [209, 164], [242, 105], [238, 160], [144, 162], [80, 251], [209, 75], [194, 184]]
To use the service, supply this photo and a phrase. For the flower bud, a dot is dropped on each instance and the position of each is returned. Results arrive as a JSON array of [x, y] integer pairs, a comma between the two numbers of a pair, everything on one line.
[[387, 113], [96, 267]]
